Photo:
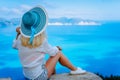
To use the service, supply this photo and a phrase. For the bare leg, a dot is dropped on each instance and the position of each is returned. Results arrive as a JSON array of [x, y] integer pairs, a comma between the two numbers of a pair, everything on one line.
[[65, 62], [51, 63], [54, 72]]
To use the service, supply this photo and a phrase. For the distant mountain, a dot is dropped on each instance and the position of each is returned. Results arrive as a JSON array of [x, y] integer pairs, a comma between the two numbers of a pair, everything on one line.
[[4, 23], [65, 19], [12, 22], [71, 21], [52, 21], [15, 21]]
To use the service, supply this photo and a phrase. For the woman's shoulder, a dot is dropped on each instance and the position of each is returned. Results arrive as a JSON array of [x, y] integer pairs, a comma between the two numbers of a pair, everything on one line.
[[45, 41]]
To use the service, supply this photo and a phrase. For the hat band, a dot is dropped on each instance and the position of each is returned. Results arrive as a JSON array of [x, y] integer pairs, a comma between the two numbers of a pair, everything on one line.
[[33, 31], [32, 35]]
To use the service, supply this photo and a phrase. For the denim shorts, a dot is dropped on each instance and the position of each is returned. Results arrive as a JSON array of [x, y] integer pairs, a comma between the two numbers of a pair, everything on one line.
[[42, 76]]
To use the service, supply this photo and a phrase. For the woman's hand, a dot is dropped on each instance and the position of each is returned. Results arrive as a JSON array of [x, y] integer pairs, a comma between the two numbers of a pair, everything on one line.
[[18, 32], [59, 48]]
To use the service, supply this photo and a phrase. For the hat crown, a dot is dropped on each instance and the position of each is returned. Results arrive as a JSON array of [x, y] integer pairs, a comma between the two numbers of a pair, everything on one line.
[[34, 21], [29, 19]]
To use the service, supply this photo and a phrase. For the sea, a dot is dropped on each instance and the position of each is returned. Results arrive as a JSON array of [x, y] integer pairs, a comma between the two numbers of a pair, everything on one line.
[[95, 48]]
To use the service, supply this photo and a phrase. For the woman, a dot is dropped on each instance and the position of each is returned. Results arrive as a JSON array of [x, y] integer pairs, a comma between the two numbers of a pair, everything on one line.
[[32, 45]]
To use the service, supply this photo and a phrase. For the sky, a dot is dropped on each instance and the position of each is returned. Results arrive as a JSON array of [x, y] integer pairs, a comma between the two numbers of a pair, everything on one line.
[[84, 9]]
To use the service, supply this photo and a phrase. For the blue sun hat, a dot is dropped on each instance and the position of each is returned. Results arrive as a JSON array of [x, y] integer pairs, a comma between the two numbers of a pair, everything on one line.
[[34, 22]]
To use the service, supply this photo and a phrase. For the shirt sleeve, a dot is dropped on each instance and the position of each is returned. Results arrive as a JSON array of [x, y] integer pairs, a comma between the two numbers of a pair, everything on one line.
[[51, 50]]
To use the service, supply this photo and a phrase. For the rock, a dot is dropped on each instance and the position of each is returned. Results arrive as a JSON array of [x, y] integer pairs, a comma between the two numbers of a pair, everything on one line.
[[5, 78], [66, 76]]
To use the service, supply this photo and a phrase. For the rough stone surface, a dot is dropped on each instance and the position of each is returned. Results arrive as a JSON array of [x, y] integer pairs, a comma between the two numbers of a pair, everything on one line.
[[5, 79], [66, 76]]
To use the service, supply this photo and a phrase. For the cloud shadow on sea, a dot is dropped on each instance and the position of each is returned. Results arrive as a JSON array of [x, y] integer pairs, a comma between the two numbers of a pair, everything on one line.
[[106, 66], [13, 73]]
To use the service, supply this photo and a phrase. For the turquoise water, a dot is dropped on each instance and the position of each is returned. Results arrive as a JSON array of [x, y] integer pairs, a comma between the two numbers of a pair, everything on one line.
[[94, 48]]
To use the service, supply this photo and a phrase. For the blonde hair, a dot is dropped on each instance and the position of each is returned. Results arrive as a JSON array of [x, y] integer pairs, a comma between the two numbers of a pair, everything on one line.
[[37, 41]]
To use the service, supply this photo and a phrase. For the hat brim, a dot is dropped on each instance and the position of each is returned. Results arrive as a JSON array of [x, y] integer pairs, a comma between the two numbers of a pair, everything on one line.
[[42, 23]]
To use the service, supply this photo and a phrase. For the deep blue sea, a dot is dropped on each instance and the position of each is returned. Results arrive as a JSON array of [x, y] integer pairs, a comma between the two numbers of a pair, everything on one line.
[[94, 48]]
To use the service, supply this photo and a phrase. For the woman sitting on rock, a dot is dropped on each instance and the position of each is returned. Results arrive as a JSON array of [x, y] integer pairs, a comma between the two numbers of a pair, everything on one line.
[[32, 45]]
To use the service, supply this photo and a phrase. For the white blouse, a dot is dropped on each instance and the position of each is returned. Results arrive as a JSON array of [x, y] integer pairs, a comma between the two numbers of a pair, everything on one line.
[[32, 59]]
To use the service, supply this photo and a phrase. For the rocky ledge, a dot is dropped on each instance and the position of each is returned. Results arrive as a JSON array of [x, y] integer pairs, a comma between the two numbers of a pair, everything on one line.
[[5, 78], [66, 76]]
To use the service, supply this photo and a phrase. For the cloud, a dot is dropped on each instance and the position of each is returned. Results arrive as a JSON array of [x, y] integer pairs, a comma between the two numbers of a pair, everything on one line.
[[26, 7], [56, 23], [88, 23], [16, 11], [80, 23], [7, 12], [59, 23], [10, 10]]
